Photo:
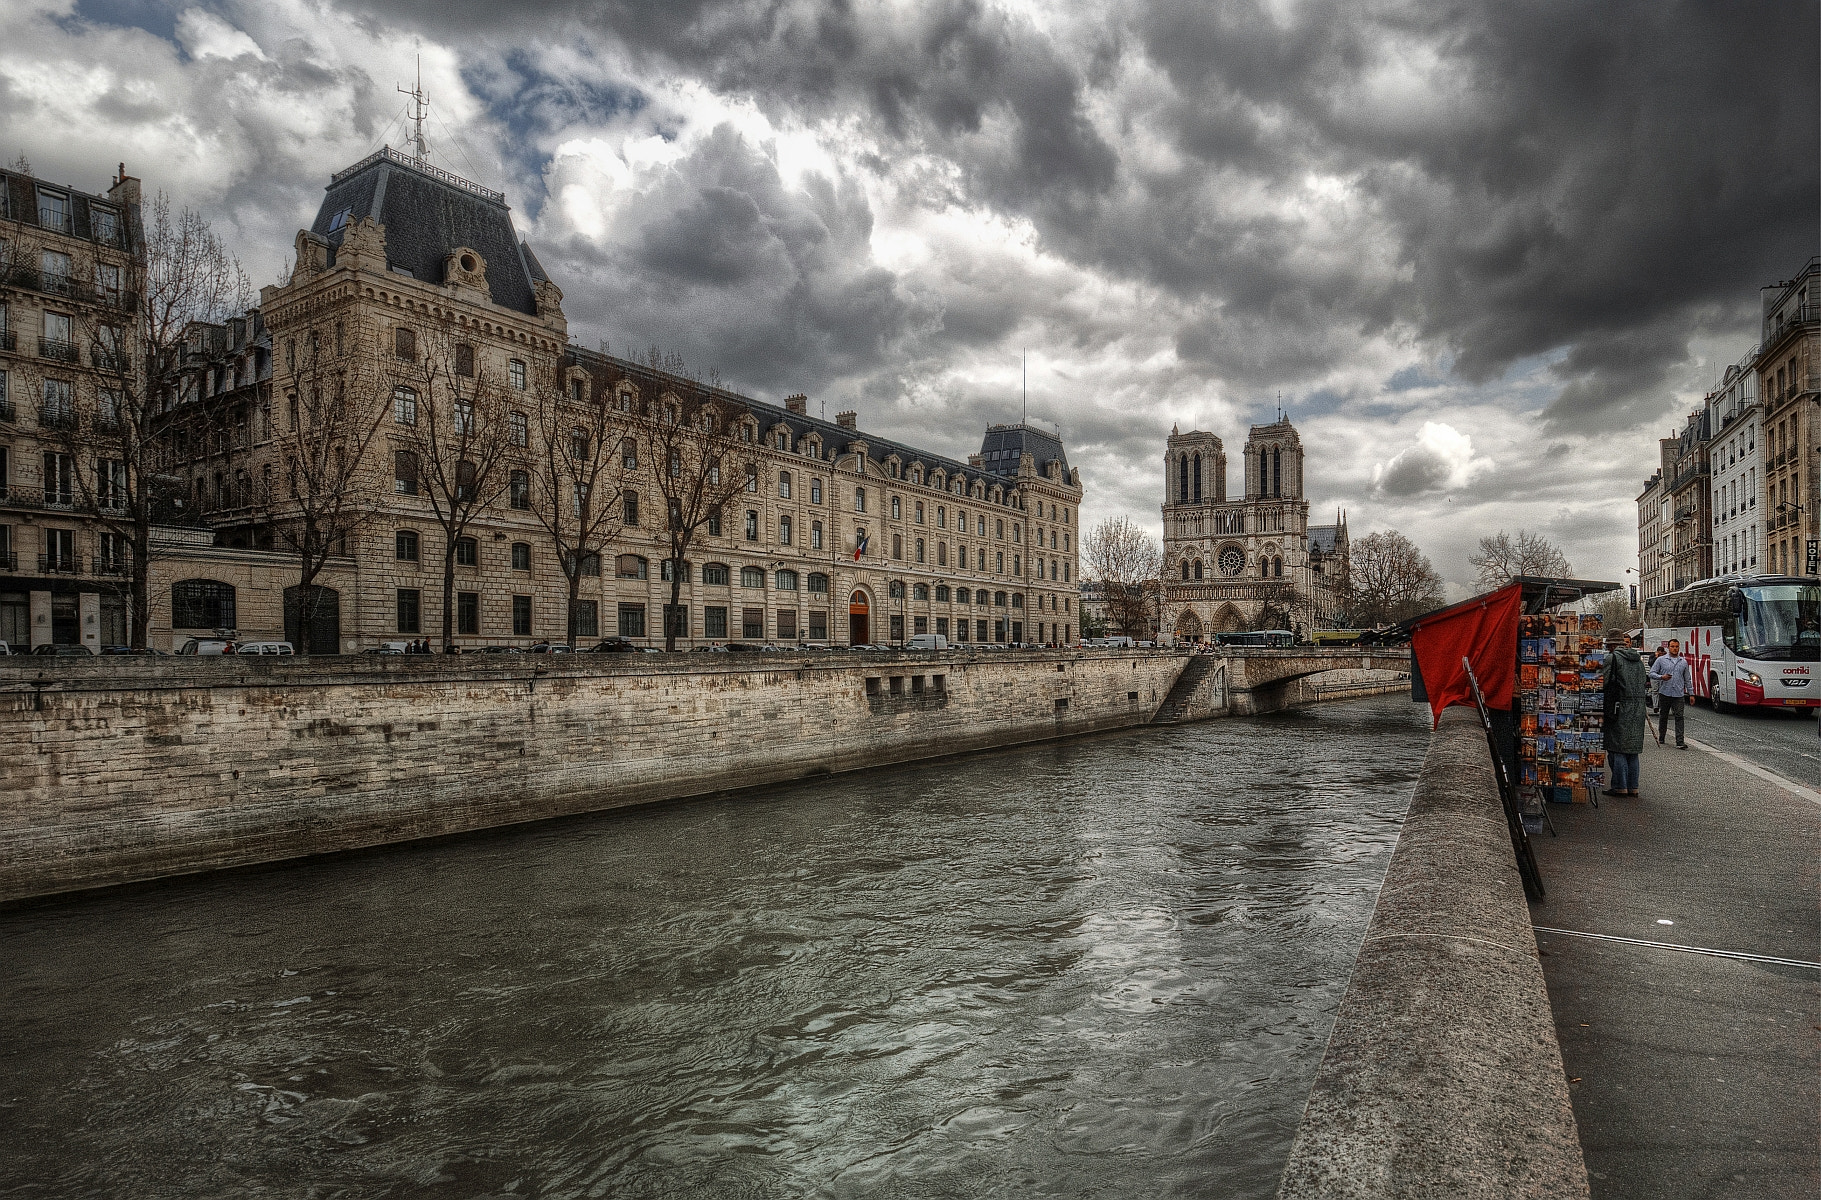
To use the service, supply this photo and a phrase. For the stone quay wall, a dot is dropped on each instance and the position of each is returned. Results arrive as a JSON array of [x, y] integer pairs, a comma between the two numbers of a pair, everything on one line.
[[1443, 1076], [114, 770]]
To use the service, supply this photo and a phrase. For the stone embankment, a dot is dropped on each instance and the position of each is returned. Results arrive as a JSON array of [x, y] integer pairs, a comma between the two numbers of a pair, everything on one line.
[[126, 769], [1443, 1076]]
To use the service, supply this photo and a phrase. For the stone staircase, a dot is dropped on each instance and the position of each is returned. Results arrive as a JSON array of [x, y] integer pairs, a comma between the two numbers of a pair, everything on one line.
[[1175, 706]]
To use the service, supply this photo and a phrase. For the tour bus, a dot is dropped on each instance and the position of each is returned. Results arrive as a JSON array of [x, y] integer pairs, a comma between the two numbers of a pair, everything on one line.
[[1256, 637], [1749, 639]]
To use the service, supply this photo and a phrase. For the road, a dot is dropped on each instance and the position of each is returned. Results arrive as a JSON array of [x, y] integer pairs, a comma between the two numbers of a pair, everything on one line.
[[1775, 740]]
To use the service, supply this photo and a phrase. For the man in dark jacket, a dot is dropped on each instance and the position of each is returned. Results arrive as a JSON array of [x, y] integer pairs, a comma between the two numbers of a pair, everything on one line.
[[1625, 685]]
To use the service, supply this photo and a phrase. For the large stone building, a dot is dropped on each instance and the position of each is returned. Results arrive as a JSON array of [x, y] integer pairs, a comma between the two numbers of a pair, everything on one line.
[[1687, 480], [1733, 415], [839, 537], [1789, 384], [1248, 563], [67, 265], [1653, 553]]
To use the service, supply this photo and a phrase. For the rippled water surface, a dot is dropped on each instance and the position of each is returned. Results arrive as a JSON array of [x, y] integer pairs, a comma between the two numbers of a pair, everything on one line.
[[1102, 968]]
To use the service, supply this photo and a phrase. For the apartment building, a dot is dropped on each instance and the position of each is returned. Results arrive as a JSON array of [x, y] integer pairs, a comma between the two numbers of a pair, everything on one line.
[[1737, 467], [1789, 383]]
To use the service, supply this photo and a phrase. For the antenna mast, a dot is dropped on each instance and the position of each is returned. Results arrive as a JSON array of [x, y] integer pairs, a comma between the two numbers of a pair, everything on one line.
[[1025, 370], [419, 109]]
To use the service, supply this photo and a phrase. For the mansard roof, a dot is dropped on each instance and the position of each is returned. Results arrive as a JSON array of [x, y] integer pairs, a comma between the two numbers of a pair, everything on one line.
[[428, 213], [1003, 444], [1323, 538], [835, 439]]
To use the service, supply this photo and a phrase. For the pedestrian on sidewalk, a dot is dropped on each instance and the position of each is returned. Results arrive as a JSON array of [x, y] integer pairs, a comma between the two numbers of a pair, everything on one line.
[[1650, 701], [1624, 686], [1674, 681]]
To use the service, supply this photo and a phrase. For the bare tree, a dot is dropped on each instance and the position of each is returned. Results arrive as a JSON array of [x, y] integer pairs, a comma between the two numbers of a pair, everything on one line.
[[582, 455], [134, 328], [694, 447], [1127, 561], [1391, 580], [457, 431], [321, 427], [1502, 558]]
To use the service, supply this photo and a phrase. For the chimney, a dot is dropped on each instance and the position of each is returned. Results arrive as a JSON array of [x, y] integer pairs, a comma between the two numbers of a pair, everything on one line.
[[847, 420], [798, 404]]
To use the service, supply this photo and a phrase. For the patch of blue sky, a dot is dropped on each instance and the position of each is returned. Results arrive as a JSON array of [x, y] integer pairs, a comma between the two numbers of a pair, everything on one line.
[[156, 17]]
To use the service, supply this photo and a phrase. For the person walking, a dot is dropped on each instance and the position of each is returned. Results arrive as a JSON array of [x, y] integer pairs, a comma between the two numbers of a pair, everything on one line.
[[1624, 685], [1674, 680]]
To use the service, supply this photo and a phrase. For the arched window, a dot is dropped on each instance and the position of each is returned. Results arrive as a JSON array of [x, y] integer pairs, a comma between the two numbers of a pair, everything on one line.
[[895, 589], [1182, 479], [752, 577], [1198, 568], [1277, 472], [920, 591], [1185, 570], [1277, 567], [715, 574], [1198, 478], [962, 596], [818, 583], [202, 604], [787, 581], [626, 566], [998, 599], [942, 593]]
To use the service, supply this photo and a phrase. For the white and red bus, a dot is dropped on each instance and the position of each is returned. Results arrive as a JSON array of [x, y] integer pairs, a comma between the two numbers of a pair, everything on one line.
[[1752, 640]]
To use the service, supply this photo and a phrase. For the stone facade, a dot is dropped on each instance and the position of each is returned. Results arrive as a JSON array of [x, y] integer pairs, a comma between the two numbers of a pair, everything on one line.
[[1252, 562], [841, 537], [67, 264], [1789, 383], [1734, 416]]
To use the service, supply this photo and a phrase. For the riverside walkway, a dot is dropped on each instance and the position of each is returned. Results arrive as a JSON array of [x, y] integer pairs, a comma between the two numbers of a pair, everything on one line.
[[1690, 1074]]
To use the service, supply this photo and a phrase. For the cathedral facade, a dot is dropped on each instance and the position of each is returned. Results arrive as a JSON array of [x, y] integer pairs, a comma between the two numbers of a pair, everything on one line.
[[1253, 562]]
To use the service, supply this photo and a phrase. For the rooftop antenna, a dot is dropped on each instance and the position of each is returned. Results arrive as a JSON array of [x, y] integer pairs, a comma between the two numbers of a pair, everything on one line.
[[419, 109], [1026, 369]]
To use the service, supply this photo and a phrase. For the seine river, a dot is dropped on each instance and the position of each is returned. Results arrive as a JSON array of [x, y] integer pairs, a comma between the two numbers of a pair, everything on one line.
[[1105, 968]]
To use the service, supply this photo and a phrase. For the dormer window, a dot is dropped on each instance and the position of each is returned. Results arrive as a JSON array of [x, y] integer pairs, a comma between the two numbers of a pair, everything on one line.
[[340, 220]]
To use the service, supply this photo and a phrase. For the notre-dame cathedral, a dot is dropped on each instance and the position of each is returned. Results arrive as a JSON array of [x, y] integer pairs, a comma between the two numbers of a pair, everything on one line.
[[1251, 563]]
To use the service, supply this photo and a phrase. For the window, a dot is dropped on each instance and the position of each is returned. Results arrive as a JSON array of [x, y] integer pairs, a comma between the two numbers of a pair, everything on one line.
[[963, 596], [919, 549], [410, 605], [1017, 565], [463, 416], [999, 562], [629, 454], [467, 552], [632, 620], [110, 483], [519, 429], [860, 500], [404, 343], [404, 406], [519, 490], [468, 612], [752, 622], [895, 589], [752, 525], [464, 360], [752, 477], [897, 545], [521, 556], [942, 518], [587, 616], [787, 624], [999, 529], [59, 411], [897, 509], [578, 444], [919, 512], [784, 485], [752, 577], [628, 566], [920, 591], [815, 535], [521, 615], [818, 583], [629, 506], [202, 604], [942, 593], [676, 620], [665, 571], [714, 523], [714, 621], [787, 581], [784, 531], [405, 545], [465, 476], [815, 491], [515, 374], [715, 574], [818, 625]]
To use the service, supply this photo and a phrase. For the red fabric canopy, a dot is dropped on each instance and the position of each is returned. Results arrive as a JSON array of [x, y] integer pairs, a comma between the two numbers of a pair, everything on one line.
[[1484, 631]]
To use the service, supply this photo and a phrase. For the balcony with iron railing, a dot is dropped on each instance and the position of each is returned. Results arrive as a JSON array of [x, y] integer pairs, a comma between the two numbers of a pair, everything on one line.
[[56, 416], [105, 359], [9, 341], [9, 560], [8, 411], [57, 220], [57, 350], [68, 287], [60, 564]]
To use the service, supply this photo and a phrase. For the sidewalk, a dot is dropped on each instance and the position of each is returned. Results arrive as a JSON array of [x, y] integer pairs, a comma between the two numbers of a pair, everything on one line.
[[1691, 1074]]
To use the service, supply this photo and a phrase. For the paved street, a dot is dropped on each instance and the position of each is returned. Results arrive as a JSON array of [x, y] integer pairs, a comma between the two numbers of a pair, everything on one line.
[[1691, 1074], [1775, 741]]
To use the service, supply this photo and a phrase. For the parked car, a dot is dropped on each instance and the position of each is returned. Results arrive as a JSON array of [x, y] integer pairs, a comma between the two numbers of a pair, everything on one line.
[[209, 646], [264, 648], [927, 641], [501, 650], [390, 648], [552, 648], [64, 651], [616, 645], [740, 648], [709, 650]]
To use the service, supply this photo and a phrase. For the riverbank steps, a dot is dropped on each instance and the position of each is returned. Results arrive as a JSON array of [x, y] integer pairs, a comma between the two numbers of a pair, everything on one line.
[[1443, 1076], [123, 769]]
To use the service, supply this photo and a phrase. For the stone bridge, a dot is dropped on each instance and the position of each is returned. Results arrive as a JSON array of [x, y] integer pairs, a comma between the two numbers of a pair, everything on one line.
[[1242, 681]]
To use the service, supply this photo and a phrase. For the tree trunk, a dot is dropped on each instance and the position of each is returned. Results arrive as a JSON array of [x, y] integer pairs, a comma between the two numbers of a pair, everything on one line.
[[575, 594], [139, 614], [676, 596], [448, 593]]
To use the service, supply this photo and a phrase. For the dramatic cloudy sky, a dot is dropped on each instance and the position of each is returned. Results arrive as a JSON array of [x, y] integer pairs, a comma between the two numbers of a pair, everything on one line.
[[1486, 252]]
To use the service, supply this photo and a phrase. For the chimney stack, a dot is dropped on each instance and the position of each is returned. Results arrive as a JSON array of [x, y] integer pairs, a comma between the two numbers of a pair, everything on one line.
[[847, 420], [798, 404]]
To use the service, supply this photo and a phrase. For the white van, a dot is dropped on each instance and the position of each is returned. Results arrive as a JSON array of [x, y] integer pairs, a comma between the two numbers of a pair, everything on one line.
[[927, 641], [264, 648]]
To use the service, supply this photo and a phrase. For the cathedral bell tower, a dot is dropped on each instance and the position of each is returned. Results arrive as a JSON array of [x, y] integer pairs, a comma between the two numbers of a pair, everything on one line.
[[1194, 468], [1274, 462]]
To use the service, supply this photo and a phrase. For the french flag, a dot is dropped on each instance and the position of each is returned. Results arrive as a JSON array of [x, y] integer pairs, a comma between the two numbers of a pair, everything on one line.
[[859, 545]]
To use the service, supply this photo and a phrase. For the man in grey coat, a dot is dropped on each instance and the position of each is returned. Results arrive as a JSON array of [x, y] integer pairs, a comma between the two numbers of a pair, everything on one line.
[[1674, 682]]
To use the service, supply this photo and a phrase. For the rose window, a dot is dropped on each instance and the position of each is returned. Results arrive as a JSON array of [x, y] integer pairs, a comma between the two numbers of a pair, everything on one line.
[[1232, 561]]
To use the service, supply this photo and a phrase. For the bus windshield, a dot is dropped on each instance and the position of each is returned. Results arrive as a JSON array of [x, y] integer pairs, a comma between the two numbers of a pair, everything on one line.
[[1782, 621]]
